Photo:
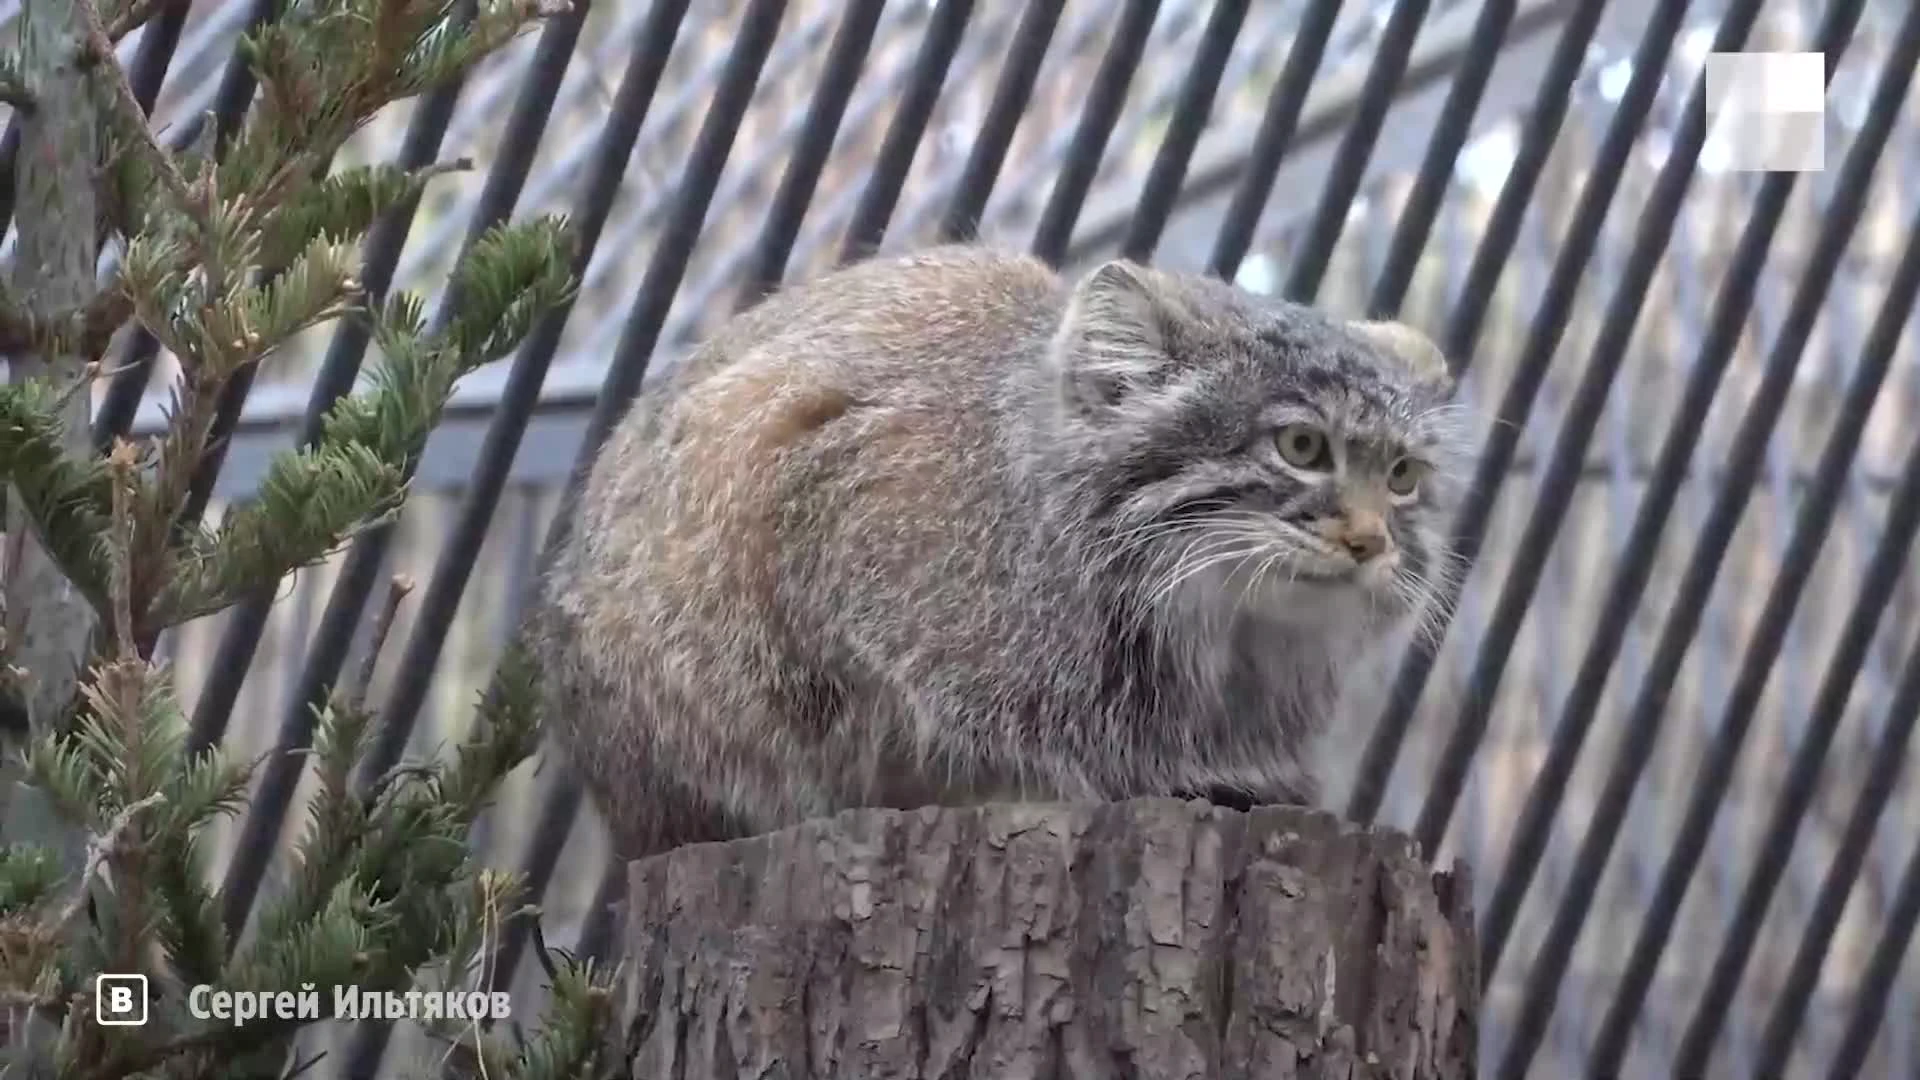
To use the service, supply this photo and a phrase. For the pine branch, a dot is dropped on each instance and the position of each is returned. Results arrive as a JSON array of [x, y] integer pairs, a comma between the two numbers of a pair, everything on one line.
[[317, 284], [343, 206], [328, 952], [570, 1042], [224, 263], [59, 767], [156, 273], [506, 732], [324, 70], [335, 947], [512, 275], [28, 874], [65, 500], [183, 917], [109, 844], [314, 500], [441, 53], [121, 462], [189, 925], [337, 822], [310, 503], [487, 905], [126, 122]]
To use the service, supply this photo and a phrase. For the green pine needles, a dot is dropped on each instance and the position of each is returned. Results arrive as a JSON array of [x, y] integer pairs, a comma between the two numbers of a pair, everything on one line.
[[228, 251]]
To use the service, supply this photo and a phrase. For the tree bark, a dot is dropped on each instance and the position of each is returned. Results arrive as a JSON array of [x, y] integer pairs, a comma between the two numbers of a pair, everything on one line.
[[1152, 939], [47, 622], [52, 276]]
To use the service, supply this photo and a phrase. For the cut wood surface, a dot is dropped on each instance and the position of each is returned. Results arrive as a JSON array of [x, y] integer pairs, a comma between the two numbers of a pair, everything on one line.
[[1153, 939]]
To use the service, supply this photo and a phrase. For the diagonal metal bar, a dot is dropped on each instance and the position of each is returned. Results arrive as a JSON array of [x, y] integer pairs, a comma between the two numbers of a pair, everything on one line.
[[647, 62], [1277, 123], [1009, 104], [1315, 249], [1796, 566], [1732, 303], [1863, 619], [1461, 335], [1219, 164], [1888, 757], [1686, 609], [1903, 913], [1877, 588], [1430, 183], [598, 929], [1463, 329], [280, 777], [1108, 94], [902, 140], [1530, 370], [158, 41], [844, 62], [648, 313], [1170, 162]]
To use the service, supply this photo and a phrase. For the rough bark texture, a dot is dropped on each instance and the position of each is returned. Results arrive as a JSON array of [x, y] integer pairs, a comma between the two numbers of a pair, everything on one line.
[[1153, 939], [52, 275], [48, 622]]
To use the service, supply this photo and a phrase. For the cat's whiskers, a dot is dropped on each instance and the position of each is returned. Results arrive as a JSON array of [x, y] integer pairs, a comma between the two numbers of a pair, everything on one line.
[[1420, 593], [1123, 544], [1232, 542]]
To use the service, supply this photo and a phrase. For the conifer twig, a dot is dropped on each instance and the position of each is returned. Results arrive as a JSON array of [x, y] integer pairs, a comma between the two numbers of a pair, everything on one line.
[[101, 849], [397, 589], [229, 252], [232, 1041], [84, 381], [122, 461], [123, 112]]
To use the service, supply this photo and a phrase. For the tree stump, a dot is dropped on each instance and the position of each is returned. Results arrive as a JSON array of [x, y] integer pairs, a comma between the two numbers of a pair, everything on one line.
[[1154, 939]]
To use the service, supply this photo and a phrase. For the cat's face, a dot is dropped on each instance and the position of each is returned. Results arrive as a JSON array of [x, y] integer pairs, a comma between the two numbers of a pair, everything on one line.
[[1250, 454]]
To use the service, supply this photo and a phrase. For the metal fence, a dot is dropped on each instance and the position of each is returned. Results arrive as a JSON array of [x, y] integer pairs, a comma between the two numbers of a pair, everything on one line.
[[1668, 726]]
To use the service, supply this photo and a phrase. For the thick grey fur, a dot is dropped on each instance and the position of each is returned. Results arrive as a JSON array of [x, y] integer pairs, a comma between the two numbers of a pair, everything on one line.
[[948, 528]]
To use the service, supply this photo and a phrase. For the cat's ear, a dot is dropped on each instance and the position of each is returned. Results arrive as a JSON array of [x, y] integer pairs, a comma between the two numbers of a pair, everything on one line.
[[1416, 354], [1112, 342]]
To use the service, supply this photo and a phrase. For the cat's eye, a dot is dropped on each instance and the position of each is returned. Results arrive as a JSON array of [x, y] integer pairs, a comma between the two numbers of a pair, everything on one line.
[[1403, 477], [1304, 447]]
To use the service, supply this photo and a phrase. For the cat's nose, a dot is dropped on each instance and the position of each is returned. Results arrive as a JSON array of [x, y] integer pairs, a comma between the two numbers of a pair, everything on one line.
[[1364, 535], [1365, 546]]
